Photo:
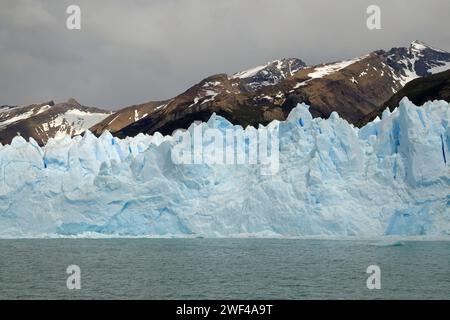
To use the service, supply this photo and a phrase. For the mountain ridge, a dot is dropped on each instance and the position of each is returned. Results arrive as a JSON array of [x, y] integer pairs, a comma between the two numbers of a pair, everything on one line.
[[47, 120], [354, 88]]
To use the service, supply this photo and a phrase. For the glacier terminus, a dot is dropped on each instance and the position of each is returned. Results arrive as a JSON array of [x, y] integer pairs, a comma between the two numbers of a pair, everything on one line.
[[390, 177]]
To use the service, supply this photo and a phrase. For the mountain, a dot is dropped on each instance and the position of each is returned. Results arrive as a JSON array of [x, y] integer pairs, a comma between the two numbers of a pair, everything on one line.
[[217, 89], [269, 74], [47, 120], [390, 177], [354, 88], [419, 91], [126, 116]]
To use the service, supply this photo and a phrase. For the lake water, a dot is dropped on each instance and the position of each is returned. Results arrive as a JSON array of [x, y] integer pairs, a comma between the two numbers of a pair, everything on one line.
[[223, 269]]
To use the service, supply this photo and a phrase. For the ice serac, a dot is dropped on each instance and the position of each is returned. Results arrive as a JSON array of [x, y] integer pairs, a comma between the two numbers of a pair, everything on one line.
[[391, 177]]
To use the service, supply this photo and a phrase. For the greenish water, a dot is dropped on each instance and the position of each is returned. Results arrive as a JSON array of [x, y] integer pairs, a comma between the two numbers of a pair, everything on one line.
[[222, 269]]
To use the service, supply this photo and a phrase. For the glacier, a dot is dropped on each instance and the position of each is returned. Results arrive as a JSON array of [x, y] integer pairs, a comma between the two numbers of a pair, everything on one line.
[[389, 178]]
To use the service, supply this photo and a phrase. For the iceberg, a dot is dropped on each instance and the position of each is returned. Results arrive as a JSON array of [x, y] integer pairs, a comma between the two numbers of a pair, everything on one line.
[[389, 178]]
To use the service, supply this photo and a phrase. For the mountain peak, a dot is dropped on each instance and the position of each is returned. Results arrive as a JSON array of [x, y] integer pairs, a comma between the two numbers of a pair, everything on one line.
[[418, 45], [73, 101], [282, 65], [268, 74], [418, 42]]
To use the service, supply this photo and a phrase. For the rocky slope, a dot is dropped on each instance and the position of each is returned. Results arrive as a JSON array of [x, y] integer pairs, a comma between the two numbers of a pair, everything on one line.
[[47, 120], [419, 91]]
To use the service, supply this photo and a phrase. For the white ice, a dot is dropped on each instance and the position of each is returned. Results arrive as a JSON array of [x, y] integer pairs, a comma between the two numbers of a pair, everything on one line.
[[391, 177]]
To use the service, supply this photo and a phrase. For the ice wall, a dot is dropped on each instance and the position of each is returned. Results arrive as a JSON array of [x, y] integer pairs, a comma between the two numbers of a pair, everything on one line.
[[391, 177]]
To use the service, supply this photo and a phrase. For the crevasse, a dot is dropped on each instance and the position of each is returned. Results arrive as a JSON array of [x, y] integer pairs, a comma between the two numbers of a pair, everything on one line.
[[390, 177]]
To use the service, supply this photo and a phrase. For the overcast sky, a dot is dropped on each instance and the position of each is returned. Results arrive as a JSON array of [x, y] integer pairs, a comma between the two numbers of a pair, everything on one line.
[[130, 52]]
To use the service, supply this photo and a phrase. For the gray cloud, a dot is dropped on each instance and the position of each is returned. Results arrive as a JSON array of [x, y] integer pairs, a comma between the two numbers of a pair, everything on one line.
[[135, 51]]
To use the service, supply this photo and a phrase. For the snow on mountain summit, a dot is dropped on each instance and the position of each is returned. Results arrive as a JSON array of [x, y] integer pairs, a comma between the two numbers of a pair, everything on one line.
[[419, 46], [48, 120], [269, 74], [418, 60]]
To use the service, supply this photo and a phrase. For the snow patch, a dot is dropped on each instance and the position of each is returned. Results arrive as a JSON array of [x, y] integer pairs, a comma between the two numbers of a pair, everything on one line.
[[328, 69], [443, 66]]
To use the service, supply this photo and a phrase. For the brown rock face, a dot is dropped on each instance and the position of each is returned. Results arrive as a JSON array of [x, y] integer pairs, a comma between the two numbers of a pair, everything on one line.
[[126, 116], [419, 91]]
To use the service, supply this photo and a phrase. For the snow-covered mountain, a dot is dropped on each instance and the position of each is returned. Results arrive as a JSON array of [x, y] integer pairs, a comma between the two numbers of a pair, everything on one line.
[[418, 60], [391, 177], [47, 120], [354, 88], [269, 74]]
